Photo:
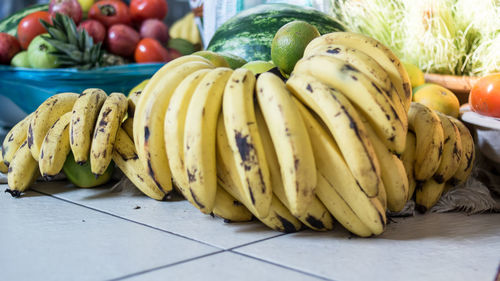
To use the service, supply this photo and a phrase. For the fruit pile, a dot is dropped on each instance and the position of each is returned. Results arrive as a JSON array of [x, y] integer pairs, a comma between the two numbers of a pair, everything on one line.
[[71, 32], [339, 139]]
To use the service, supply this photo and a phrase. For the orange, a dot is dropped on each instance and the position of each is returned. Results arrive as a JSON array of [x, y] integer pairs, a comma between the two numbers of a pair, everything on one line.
[[438, 98]]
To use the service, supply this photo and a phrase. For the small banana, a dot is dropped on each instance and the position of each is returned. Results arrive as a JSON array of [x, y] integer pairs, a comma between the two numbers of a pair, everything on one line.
[[373, 102], [125, 157], [128, 126], [279, 217], [83, 120], [452, 150], [3, 168], [175, 118], [245, 141], [230, 209], [427, 194], [23, 171], [46, 115], [108, 122], [378, 51], [346, 127], [316, 215], [55, 147], [133, 99], [392, 172], [199, 138], [149, 117], [468, 154], [408, 158], [186, 28], [340, 182], [428, 130], [14, 138]]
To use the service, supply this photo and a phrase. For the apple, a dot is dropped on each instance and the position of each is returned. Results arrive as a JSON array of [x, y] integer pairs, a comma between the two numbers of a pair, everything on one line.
[[156, 29], [9, 47], [122, 40], [94, 28], [70, 8], [39, 53]]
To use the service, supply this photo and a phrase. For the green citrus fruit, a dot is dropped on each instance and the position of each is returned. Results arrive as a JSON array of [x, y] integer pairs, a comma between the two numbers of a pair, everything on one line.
[[258, 66], [216, 59]]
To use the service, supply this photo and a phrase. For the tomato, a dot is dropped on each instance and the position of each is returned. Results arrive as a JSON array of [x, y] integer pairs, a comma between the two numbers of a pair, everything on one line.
[[110, 12], [148, 9], [484, 98], [30, 27], [150, 50]]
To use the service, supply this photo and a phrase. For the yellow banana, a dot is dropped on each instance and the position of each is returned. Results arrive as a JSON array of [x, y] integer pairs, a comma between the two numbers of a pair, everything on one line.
[[346, 127], [428, 130], [55, 147], [14, 138], [83, 120], [199, 138], [125, 157], [408, 158], [468, 154], [245, 141], [452, 150], [133, 100], [108, 122], [23, 171], [128, 126], [427, 194], [230, 209], [381, 53], [3, 168], [46, 115]]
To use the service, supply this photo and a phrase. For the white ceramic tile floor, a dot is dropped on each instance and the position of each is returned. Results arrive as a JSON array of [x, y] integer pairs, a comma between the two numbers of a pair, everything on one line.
[[95, 234]]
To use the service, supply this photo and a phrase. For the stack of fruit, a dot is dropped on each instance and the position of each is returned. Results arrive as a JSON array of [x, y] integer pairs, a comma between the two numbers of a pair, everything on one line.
[[128, 33]]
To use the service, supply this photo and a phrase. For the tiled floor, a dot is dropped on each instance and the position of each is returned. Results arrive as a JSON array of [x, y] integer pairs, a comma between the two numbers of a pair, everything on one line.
[[57, 232]]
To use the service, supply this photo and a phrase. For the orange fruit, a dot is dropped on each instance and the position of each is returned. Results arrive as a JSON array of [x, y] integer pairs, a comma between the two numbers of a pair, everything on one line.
[[438, 98]]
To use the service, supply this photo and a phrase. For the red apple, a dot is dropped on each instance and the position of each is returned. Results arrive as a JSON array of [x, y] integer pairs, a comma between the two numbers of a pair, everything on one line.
[[122, 40], [9, 47], [156, 29], [70, 8], [95, 29]]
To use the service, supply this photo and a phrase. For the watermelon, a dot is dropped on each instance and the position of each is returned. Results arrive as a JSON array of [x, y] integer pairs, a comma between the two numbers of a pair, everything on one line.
[[249, 34], [9, 24]]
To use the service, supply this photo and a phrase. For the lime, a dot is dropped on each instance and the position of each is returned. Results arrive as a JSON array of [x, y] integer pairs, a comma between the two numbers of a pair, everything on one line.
[[289, 44], [216, 59], [258, 66], [438, 98], [81, 175]]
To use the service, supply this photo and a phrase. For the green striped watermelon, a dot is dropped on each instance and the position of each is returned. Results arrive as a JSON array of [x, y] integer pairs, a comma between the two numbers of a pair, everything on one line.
[[249, 34], [9, 24]]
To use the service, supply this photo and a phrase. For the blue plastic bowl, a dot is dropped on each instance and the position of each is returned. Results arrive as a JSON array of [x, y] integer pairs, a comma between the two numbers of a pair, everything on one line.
[[27, 88]]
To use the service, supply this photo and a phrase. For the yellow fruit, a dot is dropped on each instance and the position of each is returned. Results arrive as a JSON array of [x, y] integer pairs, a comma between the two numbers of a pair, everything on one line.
[[289, 44], [216, 59], [416, 75], [139, 87], [258, 66], [438, 98]]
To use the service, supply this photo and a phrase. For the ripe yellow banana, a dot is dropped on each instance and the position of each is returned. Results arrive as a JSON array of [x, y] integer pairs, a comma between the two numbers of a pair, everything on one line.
[[373, 102], [133, 100], [186, 28], [408, 158], [46, 115], [125, 157], [55, 147], [83, 120], [392, 171], [245, 141], [199, 138], [428, 130], [468, 154], [14, 138], [175, 118], [382, 54], [340, 182], [3, 168], [150, 112], [230, 209], [316, 215], [128, 126], [23, 171], [427, 194], [452, 150], [108, 122], [279, 217], [346, 127]]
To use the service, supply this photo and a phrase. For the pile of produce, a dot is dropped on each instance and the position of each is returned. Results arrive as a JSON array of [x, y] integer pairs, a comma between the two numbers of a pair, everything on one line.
[[85, 35]]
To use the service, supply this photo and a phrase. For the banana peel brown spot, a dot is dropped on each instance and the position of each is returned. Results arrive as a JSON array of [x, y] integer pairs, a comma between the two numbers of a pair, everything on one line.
[[287, 226], [244, 147], [347, 67], [195, 199], [333, 51], [354, 78], [251, 192], [192, 175], [314, 222], [147, 133], [237, 203], [11, 138], [438, 178], [30, 136], [309, 88]]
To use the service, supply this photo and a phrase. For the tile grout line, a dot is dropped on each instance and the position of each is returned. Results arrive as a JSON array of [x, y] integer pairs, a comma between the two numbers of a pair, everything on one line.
[[129, 220], [283, 266], [165, 266]]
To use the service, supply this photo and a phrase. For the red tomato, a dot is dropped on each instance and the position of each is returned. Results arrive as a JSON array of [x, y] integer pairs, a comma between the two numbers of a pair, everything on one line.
[[150, 50], [30, 27], [148, 9], [484, 98], [110, 12]]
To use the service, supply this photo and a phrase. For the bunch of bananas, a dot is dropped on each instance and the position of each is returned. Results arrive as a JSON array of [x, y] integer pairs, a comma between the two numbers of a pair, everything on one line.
[[185, 28], [89, 125]]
